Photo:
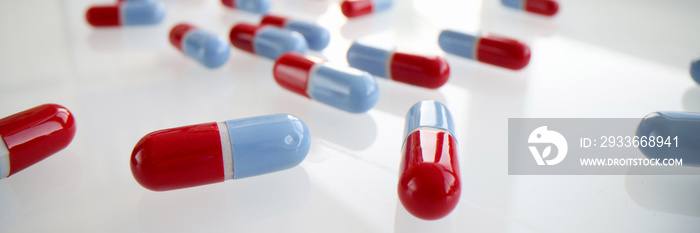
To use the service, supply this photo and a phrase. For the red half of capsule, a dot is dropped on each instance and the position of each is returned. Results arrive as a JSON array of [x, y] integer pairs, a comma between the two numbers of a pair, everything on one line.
[[177, 33], [543, 7], [292, 71], [179, 158], [354, 8], [425, 71], [103, 16], [273, 20], [242, 36], [229, 3], [429, 183], [503, 52], [36, 133]]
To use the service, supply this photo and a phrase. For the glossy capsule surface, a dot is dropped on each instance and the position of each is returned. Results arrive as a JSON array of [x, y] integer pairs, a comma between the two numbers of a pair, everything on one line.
[[204, 47], [542, 7], [429, 180], [32, 135], [267, 41], [255, 6], [486, 48], [429, 71], [683, 126], [695, 69], [316, 36], [345, 88], [126, 13], [213, 152], [355, 8]]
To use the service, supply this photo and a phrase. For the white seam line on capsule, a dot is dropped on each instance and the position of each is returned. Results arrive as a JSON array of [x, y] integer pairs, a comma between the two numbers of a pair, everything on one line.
[[424, 127], [387, 64], [4, 159], [226, 150], [122, 13], [475, 46], [312, 74]]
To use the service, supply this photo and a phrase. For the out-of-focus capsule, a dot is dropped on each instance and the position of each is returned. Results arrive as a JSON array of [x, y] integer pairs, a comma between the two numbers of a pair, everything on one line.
[[695, 70], [354, 8], [342, 87], [213, 152], [316, 36], [542, 7], [204, 47], [491, 49], [255, 6], [672, 133], [126, 13], [266, 41], [32, 135], [429, 71], [429, 183]]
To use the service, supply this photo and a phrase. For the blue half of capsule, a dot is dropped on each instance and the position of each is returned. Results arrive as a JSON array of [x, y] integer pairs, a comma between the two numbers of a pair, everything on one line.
[[429, 113], [370, 59], [683, 125], [255, 6], [457, 43], [316, 36], [349, 89], [142, 12], [272, 42], [208, 49], [695, 70]]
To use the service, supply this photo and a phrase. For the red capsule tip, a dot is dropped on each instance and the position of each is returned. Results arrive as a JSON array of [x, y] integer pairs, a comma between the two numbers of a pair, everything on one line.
[[291, 71], [103, 16], [228, 3], [503, 52], [425, 71], [355, 8], [543, 7], [177, 33], [242, 36], [273, 20]]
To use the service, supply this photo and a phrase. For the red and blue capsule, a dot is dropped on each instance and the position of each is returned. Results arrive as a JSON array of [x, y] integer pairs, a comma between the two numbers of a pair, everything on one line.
[[267, 41], [126, 13], [316, 36], [345, 88], [486, 48], [542, 7], [255, 6], [355, 8], [202, 46]]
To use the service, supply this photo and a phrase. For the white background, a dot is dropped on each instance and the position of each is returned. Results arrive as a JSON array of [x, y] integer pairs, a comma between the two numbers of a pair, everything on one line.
[[596, 58]]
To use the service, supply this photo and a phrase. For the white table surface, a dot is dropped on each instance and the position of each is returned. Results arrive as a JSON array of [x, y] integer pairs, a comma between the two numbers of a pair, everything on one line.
[[596, 58]]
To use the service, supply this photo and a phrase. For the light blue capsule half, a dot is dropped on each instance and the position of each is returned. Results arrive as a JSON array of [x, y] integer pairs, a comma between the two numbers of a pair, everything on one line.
[[429, 113], [255, 6], [457, 43], [142, 12], [344, 88], [367, 58], [695, 70], [382, 5], [267, 144], [517, 4], [684, 125], [206, 48], [272, 42], [316, 36]]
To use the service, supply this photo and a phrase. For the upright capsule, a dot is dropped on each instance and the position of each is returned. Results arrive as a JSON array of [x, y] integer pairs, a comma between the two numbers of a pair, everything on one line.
[[266, 41], [32, 135], [490, 49], [542, 7], [213, 152], [204, 47], [342, 87], [126, 13], [429, 183], [695, 69], [255, 6], [316, 36], [355, 8], [674, 134], [429, 71]]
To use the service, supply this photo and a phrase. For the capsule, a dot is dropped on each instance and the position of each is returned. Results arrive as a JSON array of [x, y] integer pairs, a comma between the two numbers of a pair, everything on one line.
[[33, 135], [429, 183], [355, 8], [680, 134], [490, 49], [542, 7], [204, 47], [213, 152], [126, 13], [345, 88], [255, 6], [266, 41], [695, 70], [427, 71], [316, 36]]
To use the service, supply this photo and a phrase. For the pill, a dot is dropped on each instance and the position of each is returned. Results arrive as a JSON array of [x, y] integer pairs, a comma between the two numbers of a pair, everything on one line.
[[316, 36], [126, 13], [427, 71], [213, 152], [255, 6], [355, 8], [429, 183], [33, 135], [486, 48], [674, 134], [266, 41], [204, 47], [695, 70], [345, 88], [542, 7]]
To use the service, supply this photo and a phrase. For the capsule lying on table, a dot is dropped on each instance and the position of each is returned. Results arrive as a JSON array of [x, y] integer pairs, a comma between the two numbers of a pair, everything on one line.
[[126, 13], [213, 152], [266, 41], [664, 135], [254, 6], [204, 47], [541, 7], [486, 48], [316, 36]]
